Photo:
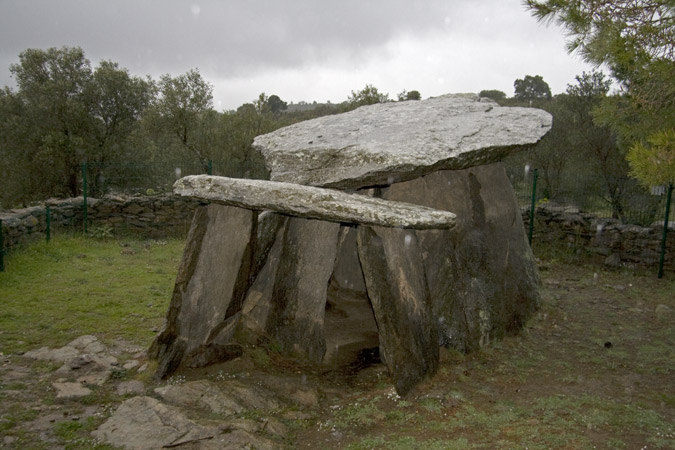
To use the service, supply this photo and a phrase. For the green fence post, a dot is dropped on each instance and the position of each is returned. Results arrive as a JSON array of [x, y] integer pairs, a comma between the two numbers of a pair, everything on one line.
[[48, 223], [2, 249], [665, 230], [535, 174], [210, 167], [84, 195]]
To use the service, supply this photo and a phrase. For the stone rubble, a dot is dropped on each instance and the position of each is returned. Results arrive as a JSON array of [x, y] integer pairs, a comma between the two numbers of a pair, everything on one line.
[[175, 419]]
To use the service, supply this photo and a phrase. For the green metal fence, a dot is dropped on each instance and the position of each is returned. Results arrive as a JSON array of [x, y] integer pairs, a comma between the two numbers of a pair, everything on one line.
[[575, 192], [629, 203], [157, 177]]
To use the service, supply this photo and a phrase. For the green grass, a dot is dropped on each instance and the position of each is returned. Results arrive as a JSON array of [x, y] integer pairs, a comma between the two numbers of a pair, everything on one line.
[[54, 292], [410, 443]]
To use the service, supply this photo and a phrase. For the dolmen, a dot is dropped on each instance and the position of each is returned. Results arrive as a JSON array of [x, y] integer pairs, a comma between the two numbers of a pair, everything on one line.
[[405, 204]]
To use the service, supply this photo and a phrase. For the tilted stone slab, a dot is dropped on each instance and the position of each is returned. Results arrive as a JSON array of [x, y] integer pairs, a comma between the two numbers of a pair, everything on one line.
[[381, 144], [298, 301], [397, 287], [312, 202], [257, 306], [482, 275], [212, 281]]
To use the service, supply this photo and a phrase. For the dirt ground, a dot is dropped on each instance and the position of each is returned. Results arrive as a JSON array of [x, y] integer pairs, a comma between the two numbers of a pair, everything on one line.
[[594, 368]]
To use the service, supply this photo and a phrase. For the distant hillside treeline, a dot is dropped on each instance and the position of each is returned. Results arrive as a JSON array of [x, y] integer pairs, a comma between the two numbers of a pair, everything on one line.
[[64, 113]]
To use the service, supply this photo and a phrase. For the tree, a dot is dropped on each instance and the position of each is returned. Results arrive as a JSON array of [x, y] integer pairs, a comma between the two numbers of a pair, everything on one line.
[[16, 183], [552, 156], [532, 88], [276, 105], [597, 143], [116, 102], [369, 95], [613, 32], [654, 163], [412, 95], [636, 40], [494, 94], [181, 110], [52, 86], [62, 115]]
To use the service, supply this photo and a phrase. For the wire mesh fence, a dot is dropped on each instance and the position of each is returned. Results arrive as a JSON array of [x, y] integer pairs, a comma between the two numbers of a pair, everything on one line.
[[622, 199], [154, 178]]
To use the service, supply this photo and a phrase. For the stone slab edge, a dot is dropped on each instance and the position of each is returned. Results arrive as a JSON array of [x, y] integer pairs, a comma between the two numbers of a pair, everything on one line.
[[312, 202]]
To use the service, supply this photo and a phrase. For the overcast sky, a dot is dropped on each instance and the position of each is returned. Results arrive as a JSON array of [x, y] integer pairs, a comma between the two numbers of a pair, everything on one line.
[[301, 49]]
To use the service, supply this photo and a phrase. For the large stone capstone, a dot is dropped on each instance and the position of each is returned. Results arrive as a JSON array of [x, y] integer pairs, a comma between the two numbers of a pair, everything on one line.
[[311, 202], [391, 142]]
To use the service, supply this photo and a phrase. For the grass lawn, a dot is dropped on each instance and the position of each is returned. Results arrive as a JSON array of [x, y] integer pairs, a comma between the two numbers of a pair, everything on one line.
[[51, 293]]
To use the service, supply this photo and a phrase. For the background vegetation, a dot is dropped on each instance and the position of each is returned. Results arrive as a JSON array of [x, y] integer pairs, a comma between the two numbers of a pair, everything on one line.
[[65, 112]]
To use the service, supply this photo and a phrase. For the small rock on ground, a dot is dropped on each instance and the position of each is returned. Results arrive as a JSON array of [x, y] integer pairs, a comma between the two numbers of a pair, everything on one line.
[[63, 354], [131, 364], [130, 387], [70, 390], [144, 423]]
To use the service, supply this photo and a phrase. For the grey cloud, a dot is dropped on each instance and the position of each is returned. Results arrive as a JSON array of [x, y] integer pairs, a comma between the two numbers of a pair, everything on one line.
[[233, 38]]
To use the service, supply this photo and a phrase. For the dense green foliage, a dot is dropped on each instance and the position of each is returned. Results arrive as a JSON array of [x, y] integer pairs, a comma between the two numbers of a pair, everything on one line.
[[656, 161], [369, 95], [62, 114], [580, 160], [133, 133], [532, 88], [494, 94], [412, 95], [635, 39]]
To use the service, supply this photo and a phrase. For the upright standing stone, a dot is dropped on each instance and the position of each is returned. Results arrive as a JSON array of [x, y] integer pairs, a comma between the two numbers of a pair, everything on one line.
[[299, 295], [258, 302], [212, 280], [397, 288], [347, 273], [482, 274]]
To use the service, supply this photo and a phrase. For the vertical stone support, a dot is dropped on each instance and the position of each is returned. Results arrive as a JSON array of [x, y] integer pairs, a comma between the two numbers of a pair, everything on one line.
[[397, 288], [257, 309], [300, 288], [482, 274], [212, 280]]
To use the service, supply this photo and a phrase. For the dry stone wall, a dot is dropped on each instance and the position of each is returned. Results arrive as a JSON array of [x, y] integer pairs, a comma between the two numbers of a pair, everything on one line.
[[152, 216], [614, 243]]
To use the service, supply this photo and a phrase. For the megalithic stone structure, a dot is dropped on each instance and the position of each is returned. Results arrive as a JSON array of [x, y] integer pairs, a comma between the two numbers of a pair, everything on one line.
[[428, 224]]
